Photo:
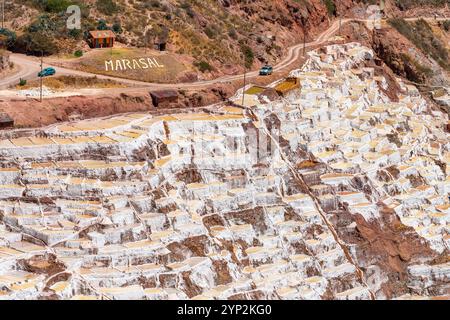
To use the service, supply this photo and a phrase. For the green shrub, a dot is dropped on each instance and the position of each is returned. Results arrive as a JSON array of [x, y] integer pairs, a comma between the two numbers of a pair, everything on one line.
[[117, 28], [233, 34], [331, 7], [75, 33], [45, 23], [186, 6], [414, 70], [203, 66], [9, 37], [36, 43], [22, 82], [210, 32], [408, 4], [56, 5], [78, 53], [249, 56], [421, 34], [101, 25], [107, 7]]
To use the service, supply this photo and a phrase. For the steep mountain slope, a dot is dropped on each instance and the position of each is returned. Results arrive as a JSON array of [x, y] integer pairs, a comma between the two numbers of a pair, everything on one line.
[[215, 33], [216, 37], [415, 50]]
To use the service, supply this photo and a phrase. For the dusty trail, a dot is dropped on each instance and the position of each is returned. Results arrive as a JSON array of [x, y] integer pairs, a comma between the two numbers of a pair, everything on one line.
[[30, 66]]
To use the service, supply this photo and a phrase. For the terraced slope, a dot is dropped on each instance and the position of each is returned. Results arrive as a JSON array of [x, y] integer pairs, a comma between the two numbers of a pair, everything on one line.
[[333, 192]]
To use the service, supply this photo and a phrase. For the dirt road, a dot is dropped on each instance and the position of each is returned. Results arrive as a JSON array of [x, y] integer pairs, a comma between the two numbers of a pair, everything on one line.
[[30, 66]]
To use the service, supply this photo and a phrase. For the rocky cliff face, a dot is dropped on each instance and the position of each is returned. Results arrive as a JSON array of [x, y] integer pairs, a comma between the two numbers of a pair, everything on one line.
[[83, 107], [399, 53]]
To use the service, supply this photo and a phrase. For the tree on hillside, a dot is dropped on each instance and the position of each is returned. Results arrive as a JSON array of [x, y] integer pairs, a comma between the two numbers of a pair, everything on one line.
[[102, 25], [249, 56], [7, 38], [3, 40], [36, 43]]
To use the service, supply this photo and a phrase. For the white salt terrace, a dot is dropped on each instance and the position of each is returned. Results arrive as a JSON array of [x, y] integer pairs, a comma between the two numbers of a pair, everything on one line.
[[180, 206]]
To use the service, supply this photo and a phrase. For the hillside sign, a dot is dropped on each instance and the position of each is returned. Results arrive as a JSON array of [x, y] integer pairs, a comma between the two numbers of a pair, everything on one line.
[[132, 64]]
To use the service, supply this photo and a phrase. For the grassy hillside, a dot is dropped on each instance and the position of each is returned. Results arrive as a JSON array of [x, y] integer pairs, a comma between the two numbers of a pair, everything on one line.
[[409, 4], [215, 33], [422, 36]]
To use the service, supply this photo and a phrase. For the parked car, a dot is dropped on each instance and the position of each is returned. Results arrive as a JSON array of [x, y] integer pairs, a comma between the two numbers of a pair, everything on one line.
[[47, 72], [266, 71]]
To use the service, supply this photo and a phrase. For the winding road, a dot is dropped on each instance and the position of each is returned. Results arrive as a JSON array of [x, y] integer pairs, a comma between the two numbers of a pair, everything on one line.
[[30, 66]]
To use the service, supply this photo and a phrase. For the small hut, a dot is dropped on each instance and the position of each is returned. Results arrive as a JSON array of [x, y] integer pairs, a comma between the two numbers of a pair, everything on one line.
[[6, 121], [101, 39], [163, 98]]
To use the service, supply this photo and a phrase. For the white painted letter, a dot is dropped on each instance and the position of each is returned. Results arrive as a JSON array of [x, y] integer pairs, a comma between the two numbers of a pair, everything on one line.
[[109, 63]]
